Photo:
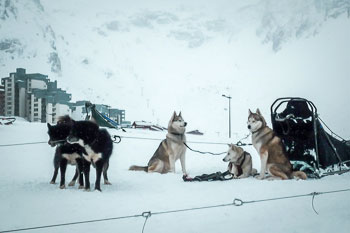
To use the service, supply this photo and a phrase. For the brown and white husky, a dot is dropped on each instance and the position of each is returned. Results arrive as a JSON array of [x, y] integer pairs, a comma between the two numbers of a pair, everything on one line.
[[273, 157], [170, 149]]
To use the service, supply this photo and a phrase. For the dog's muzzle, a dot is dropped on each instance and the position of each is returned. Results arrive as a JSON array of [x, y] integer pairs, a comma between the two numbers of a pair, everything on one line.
[[52, 144], [185, 124], [249, 127]]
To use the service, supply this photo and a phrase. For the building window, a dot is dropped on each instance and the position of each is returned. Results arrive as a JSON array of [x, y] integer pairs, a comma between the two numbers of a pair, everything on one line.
[[9, 112], [35, 109], [36, 114]]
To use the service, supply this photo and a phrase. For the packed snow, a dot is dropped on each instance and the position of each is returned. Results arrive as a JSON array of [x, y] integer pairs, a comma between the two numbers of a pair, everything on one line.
[[27, 199]]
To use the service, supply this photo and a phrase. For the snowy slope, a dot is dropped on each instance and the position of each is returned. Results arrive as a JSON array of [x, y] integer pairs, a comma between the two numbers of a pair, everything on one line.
[[28, 200], [154, 57]]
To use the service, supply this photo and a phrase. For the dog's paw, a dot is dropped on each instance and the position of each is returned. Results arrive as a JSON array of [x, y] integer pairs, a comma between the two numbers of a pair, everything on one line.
[[72, 183], [62, 186], [107, 182], [87, 189], [81, 187], [260, 177], [52, 182]]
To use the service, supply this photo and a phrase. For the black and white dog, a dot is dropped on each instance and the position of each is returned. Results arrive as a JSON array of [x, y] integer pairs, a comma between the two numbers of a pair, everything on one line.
[[98, 146], [65, 153]]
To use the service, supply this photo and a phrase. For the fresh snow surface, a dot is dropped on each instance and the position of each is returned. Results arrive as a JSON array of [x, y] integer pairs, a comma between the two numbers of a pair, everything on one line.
[[27, 199]]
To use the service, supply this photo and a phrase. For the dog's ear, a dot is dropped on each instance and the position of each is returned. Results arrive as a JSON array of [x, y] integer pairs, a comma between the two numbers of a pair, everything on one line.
[[258, 112], [249, 112], [49, 126], [180, 114], [173, 117], [239, 150]]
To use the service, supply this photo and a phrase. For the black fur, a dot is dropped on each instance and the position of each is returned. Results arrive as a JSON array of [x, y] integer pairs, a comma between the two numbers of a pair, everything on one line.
[[57, 136], [100, 142]]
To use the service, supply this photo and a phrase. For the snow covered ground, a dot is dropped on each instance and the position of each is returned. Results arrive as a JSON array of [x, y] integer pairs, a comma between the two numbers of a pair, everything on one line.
[[28, 200]]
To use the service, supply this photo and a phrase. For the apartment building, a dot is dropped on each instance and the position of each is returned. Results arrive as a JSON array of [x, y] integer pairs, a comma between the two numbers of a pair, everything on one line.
[[34, 97], [2, 100], [37, 99]]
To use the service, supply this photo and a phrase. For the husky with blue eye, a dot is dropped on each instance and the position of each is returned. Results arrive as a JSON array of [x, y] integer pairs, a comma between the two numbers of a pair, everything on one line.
[[274, 159], [170, 149]]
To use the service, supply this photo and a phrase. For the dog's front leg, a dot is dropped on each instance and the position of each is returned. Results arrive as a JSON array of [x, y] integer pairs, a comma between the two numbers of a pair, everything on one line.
[[263, 157], [86, 170], [172, 163], [99, 168], [183, 164], [63, 166], [55, 172], [234, 171], [80, 170]]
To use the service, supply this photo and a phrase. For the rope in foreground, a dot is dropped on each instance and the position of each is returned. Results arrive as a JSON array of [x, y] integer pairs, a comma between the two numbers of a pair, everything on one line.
[[147, 214]]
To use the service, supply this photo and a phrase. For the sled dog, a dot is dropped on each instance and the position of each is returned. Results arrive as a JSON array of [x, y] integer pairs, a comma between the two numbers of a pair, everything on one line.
[[240, 162], [170, 149], [98, 146], [270, 148], [65, 153]]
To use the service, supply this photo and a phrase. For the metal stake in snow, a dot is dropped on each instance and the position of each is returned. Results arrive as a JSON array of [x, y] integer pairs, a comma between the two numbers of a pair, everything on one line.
[[146, 215]]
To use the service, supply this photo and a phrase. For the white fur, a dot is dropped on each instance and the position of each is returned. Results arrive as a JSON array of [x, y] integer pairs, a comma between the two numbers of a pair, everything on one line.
[[71, 158], [254, 125], [91, 154]]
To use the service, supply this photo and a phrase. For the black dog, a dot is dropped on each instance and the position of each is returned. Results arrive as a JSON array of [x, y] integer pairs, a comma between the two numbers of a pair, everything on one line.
[[65, 153], [98, 145]]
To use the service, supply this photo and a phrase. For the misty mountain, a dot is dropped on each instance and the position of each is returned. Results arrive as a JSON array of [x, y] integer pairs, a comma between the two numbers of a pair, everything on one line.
[[135, 55]]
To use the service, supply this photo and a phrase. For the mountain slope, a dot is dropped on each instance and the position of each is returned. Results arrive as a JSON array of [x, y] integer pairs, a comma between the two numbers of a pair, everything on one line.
[[154, 57]]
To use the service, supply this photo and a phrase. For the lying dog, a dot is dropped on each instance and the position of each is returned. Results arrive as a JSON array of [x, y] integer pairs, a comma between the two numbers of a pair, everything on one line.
[[240, 162], [98, 146], [270, 148], [65, 153], [170, 149]]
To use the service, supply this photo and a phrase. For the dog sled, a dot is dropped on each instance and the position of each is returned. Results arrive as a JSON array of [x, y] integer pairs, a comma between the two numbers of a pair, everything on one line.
[[7, 120], [101, 119], [311, 147]]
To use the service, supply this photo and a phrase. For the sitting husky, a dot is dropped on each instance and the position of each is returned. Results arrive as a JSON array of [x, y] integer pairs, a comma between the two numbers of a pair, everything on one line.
[[240, 162], [98, 146], [65, 152], [170, 149], [270, 148]]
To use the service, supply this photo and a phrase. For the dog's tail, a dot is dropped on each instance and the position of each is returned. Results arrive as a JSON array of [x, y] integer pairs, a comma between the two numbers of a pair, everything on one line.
[[300, 175], [138, 168]]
